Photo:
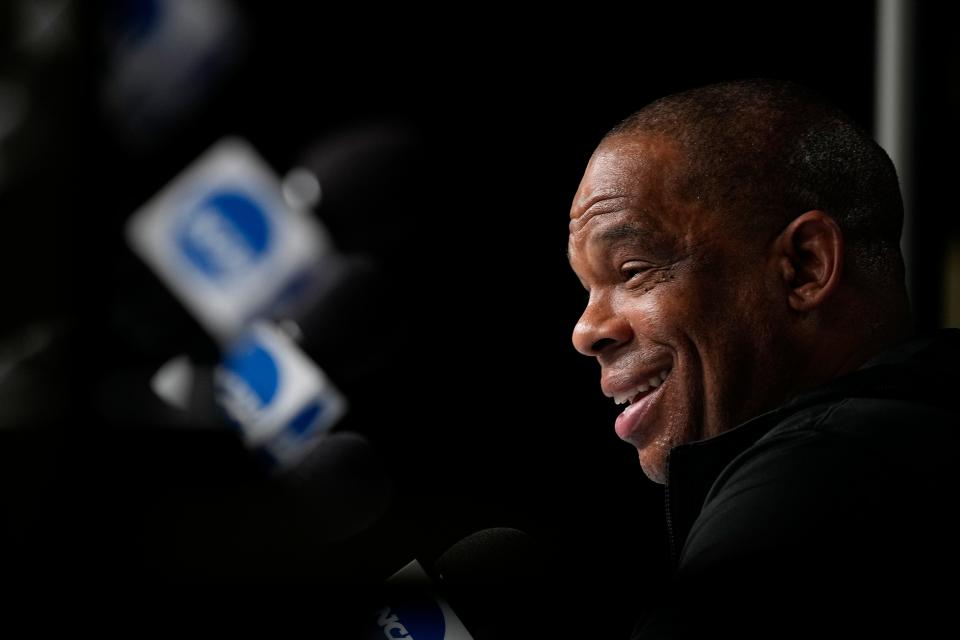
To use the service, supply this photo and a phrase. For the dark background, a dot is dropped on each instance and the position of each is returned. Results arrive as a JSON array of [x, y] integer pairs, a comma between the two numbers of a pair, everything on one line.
[[482, 412]]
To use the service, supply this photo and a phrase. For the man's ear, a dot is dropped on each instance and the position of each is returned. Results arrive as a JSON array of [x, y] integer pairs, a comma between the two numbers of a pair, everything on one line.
[[810, 255]]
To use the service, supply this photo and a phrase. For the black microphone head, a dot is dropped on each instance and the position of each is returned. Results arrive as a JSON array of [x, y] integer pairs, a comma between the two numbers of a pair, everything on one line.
[[345, 310], [370, 176], [490, 557], [497, 580], [341, 484]]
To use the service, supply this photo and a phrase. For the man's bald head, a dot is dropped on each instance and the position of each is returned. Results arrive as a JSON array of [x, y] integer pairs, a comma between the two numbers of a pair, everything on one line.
[[763, 151]]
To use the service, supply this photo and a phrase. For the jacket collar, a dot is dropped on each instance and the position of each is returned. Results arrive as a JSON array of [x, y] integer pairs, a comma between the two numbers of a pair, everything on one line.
[[693, 467]]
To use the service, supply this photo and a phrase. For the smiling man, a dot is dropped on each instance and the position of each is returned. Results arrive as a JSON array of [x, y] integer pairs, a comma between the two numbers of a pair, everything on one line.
[[740, 247]]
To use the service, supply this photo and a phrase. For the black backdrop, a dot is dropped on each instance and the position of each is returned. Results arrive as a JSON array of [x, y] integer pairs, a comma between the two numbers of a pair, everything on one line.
[[483, 414]]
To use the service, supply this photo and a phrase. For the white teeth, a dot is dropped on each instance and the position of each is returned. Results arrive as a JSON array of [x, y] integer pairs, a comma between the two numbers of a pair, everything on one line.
[[654, 382]]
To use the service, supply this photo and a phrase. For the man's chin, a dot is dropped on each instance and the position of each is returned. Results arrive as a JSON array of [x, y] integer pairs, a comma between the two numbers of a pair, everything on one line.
[[654, 465]]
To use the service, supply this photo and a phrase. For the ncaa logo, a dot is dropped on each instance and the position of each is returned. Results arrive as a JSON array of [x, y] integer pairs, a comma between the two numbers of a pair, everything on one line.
[[224, 235], [413, 618], [247, 382]]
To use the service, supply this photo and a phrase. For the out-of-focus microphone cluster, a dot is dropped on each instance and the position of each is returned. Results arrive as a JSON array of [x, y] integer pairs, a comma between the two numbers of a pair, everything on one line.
[[244, 260], [229, 301], [277, 312]]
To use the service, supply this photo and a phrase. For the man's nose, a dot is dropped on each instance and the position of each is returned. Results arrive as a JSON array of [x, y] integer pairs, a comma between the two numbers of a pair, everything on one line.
[[600, 329]]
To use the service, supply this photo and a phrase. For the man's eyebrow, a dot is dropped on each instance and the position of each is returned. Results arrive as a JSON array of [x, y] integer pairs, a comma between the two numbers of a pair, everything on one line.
[[649, 237], [627, 233]]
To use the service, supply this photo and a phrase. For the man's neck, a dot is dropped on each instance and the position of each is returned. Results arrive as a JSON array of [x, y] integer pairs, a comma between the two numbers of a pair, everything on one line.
[[846, 354]]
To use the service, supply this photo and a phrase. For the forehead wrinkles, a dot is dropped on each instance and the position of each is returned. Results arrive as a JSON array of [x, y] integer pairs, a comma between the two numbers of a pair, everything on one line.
[[600, 208], [645, 172]]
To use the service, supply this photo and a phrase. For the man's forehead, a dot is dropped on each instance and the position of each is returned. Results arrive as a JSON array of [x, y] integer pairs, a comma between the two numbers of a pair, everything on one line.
[[621, 172], [622, 167]]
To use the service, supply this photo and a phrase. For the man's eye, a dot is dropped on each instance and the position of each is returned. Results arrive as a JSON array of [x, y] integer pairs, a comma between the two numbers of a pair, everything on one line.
[[629, 272]]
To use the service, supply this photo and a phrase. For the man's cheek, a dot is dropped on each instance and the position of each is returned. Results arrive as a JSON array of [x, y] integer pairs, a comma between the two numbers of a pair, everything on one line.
[[652, 313]]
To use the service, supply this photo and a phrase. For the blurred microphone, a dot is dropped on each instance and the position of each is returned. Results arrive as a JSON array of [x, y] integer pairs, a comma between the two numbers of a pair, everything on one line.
[[345, 312], [489, 585], [224, 240], [370, 185], [164, 59], [227, 242], [246, 258], [280, 401]]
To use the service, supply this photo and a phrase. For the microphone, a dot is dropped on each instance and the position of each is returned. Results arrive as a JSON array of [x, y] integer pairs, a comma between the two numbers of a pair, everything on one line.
[[234, 244], [164, 62], [478, 589], [345, 312], [370, 181], [499, 580], [229, 244], [224, 240], [278, 398]]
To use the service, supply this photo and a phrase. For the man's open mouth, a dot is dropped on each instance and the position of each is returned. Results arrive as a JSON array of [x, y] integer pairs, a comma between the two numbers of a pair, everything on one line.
[[638, 391]]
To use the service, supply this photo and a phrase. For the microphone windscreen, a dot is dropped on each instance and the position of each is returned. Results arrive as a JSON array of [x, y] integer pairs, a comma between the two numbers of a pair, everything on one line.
[[491, 557], [497, 582], [371, 178], [343, 480], [348, 308]]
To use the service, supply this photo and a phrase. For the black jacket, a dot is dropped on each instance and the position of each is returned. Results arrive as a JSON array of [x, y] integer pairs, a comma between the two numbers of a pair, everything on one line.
[[831, 516]]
